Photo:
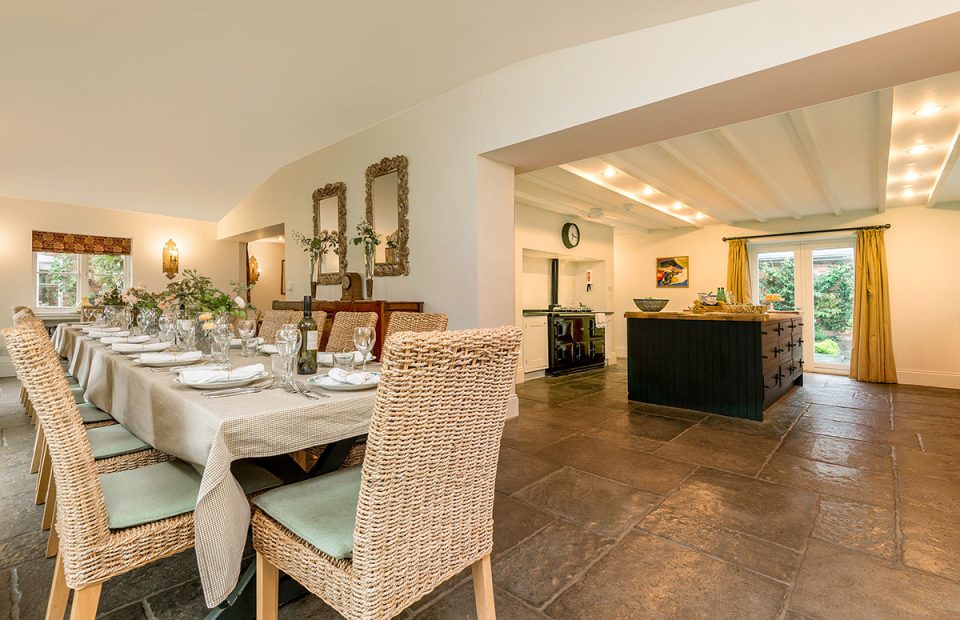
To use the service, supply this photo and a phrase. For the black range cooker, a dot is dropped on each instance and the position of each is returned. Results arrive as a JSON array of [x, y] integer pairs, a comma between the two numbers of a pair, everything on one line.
[[576, 342]]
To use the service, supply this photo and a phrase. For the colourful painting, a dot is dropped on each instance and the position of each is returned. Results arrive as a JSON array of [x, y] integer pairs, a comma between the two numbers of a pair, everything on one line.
[[673, 272]]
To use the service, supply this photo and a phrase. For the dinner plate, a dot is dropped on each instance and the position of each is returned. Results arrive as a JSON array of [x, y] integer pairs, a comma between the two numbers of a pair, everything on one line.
[[168, 364], [219, 385], [325, 382]]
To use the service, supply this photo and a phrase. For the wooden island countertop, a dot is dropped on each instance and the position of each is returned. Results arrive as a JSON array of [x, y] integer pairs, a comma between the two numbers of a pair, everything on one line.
[[713, 316]]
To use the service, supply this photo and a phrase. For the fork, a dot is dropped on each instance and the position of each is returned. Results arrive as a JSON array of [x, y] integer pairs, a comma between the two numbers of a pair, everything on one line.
[[308, 392]]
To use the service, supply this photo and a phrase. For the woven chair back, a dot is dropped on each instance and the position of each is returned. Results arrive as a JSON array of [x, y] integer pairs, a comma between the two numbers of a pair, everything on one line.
[[341, 332], [81, 511], [426, 497], [416, 322], [273, 320]]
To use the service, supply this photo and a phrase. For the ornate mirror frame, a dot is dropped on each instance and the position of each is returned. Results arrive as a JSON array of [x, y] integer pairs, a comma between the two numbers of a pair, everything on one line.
[[338, 189], [387, 165]]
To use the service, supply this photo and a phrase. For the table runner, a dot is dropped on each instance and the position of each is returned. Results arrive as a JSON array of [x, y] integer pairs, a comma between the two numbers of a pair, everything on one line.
[[210, 434]]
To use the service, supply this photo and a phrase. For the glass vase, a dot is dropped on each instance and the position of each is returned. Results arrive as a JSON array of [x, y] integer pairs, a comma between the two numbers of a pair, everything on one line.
[[368, 265]]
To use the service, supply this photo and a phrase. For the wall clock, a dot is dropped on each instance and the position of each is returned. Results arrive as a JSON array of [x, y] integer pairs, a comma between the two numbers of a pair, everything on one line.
[[570, 235]]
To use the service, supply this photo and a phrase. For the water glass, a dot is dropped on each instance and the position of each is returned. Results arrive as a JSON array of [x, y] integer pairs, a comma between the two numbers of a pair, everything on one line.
[[344, 361], [187, 334], [281, 371], [147, 320], [247, 328], [364, 339], [222, 335], [110, 316], [98, 319], [288, 343]]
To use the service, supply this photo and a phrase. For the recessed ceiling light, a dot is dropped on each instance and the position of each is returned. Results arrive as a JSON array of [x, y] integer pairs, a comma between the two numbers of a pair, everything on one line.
[[610, 171], [699, 215], [917, 149], [929, 109], [911, 176], [647, 191], [907, 193], [678, 205]]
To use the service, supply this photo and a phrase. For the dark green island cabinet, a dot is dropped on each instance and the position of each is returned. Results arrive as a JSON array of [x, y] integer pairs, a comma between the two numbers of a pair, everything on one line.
[[730, 364]]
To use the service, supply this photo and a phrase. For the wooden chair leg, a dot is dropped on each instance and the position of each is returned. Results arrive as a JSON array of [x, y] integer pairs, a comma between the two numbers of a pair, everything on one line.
[[85, 602], [49, 506], [59, 593], [267, 589], [39, 445], [43, 480], [483, 589], [53, 542]]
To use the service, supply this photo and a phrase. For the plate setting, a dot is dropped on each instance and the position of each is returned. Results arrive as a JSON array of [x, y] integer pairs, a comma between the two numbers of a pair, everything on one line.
[[219, 385], [327, 382]]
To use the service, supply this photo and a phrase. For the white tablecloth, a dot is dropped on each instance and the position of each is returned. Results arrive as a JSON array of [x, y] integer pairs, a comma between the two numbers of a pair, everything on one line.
[[210, 434]]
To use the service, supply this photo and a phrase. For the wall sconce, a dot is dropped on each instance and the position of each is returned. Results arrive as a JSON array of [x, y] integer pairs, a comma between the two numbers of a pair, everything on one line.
[[171, 259], [253, 270]]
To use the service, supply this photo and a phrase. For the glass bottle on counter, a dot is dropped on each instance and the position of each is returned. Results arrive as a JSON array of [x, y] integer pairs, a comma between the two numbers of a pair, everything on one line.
[[721, 295], [310, 337]]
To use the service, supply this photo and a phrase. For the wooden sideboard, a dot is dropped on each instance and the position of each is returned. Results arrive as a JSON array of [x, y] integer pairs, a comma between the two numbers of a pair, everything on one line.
[[381, 307], [733, 366]]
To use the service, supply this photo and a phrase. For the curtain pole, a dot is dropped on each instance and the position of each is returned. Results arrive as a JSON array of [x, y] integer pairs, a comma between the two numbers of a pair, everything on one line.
[[809, 232]]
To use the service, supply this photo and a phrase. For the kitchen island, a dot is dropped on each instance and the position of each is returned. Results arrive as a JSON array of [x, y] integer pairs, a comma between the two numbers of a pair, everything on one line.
[[730, 364]]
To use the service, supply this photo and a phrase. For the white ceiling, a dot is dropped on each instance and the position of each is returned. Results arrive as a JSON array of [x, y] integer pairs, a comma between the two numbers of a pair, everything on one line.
[[846, 155], [183, 108]]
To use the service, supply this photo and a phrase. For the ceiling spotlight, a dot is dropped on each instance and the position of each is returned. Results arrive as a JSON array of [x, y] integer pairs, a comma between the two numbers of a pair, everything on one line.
[[647, 191], [911, 176], [907, 193], [595, 212], [677, 206], [628, 207], [699, 215], [918, 149], [610, 171], [929, 109]]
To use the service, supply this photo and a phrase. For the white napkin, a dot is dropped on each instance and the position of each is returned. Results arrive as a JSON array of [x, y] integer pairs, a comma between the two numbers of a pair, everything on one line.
[[326, 358], [163, 358], [269, 349], [126, 347], [130, 339], [105, 330], [194, 376], [353, 378], [98, 335]]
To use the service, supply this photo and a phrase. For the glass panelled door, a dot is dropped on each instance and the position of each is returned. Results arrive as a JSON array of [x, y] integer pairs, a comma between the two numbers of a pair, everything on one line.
[[816, 279]]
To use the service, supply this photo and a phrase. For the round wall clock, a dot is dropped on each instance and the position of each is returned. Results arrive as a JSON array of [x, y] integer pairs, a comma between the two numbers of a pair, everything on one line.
[[570, 235]]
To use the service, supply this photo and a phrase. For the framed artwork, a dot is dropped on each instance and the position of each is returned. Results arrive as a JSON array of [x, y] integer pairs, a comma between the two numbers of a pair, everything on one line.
[[673, 272], [283, 277]]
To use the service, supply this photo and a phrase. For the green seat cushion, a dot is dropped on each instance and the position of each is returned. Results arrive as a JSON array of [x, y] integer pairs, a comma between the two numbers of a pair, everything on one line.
[[90, 413], [322, 510], [150, 493], [253, 478], [114, 440], [78, 395]]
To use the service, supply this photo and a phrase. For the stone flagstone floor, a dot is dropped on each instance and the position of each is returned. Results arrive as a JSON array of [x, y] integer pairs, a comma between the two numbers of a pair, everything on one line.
[[843, 504]]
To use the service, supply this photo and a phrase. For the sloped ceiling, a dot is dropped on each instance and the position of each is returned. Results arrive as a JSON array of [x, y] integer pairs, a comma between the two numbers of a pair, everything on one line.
[[891, 148], [183, 108]]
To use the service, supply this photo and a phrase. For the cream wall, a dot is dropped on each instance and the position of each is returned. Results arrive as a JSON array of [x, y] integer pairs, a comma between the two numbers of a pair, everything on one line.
[[197, 241], [269, 256], [922, 259]]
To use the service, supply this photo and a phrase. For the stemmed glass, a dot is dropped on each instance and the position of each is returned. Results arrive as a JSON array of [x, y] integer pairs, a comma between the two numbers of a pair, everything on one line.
[[126, 318], [247, 328], [98, 318], [187, 333], [364, 339], [110, 315], [146, 319], [222, 334], [288, 343], [168, 328]]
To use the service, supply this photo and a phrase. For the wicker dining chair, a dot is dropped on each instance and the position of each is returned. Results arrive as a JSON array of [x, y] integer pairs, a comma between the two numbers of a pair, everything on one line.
[[415, 322], [372, 540], [341, 332], [109, 524], [273, 320]]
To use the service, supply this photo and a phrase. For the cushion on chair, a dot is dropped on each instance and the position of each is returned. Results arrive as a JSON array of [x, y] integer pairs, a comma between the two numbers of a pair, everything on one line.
[[322, 510], [114, 440], [150, 493], [78, 395], [90, 413], [253, 478]]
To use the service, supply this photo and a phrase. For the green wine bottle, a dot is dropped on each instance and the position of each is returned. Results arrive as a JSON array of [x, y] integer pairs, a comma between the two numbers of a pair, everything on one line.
[[309, 339], [721, 295]]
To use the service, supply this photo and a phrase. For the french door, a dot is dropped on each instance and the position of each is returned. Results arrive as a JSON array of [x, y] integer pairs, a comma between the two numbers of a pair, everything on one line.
[[815, 278]]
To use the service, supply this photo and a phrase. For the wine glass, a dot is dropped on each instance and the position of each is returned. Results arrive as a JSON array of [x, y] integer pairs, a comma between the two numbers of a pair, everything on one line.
[[187, 333], [363, 339], [222, 334], [168, 328], [247, 328], [110, 315], [288, 343]]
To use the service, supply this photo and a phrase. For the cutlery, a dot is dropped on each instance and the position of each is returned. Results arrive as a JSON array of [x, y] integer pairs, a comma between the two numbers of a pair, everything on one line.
[[308, 392], [235, 392]]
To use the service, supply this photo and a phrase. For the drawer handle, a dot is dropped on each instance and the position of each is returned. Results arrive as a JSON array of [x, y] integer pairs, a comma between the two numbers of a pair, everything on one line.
[[800, 341], [778, 329], [777, 350]]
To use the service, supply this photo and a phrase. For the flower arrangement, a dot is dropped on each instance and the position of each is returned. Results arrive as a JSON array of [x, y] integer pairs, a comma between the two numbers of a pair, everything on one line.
[[317, 247], [139, 297], [367, 236], [108, 296], [197, 293]]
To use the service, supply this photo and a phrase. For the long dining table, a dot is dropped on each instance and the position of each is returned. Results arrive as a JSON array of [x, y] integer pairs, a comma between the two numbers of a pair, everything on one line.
[[210, 434]]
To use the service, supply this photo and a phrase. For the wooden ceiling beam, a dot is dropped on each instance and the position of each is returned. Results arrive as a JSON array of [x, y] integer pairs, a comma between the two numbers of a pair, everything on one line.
[[949, 167], [583, 198], [542, 202], [752, 166], [645, 177], [884, 103], [798, 125], [709, 179]]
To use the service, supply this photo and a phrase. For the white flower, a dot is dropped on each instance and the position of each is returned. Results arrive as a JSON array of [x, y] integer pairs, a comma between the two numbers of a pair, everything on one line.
[[208, 326], [240, 302]]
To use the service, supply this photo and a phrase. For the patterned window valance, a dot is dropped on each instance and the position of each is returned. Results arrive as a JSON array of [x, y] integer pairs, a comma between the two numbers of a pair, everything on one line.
[[66, 243]]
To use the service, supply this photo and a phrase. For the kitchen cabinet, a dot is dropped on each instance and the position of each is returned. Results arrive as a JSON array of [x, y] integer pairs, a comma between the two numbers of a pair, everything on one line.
[[535, 349]]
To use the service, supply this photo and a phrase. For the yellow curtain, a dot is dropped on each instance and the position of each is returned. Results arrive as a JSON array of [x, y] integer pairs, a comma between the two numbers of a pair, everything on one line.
[[738, 270], [872, 356]]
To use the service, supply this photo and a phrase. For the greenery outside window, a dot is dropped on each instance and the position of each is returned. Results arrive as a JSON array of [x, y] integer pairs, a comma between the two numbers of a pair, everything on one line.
[[63, 280]]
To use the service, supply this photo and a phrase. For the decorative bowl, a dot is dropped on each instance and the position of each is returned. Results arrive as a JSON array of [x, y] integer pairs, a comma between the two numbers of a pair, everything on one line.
[[707, 299], [651, 305]]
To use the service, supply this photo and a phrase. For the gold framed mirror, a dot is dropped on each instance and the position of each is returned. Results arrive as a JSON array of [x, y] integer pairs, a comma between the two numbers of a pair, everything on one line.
[[330, 213], [387, 207]]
